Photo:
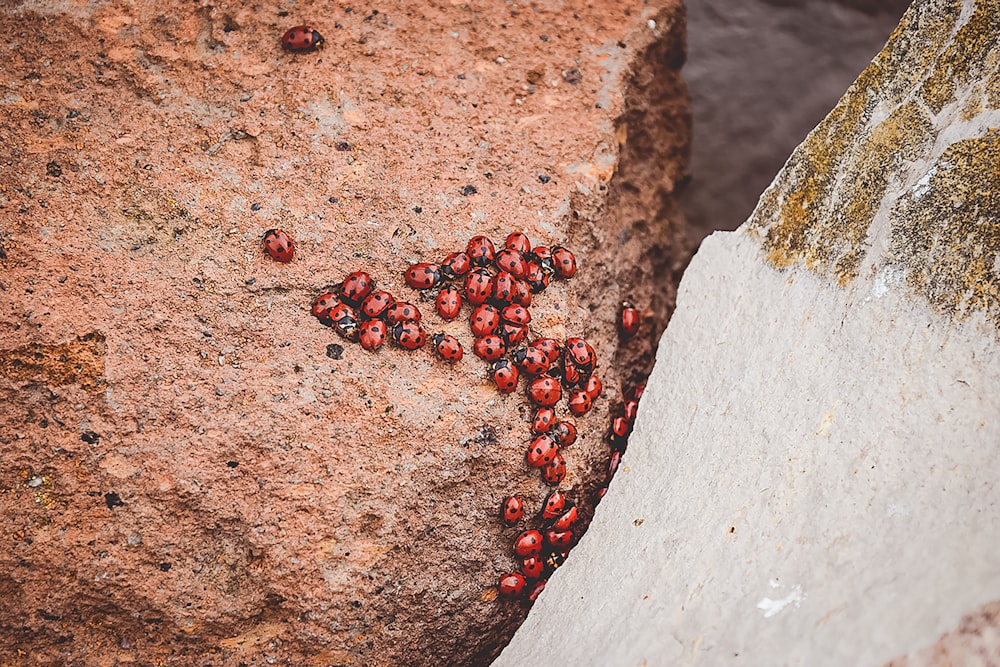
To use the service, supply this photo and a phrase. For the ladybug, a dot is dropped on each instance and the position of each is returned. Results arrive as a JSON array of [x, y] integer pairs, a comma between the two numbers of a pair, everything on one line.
[[554, 473], [593, 387], [536, 277], [481, 251], [528, 543], [536, 589], [564, 433], [300, 39], [504, 376], [628, 320], [511, 510], [543, 419], [402, 311], [376, 303], [620, 427], [323, 304], [582, 353], [559, 538], [580, 402], [372, 334], [484, 320], [550, 346], [511, 261], [637, 394], [554, 505], [449, 303], [613, 462], [279, 245], [356, 287], [478, 286], [564, 262], [543, 256], [489, 348], [512, 585], [516, 314], [566, 519], [454, 265], [600, 494], [447, 346], [570, 374], [513, 333], [422, 275], [542, 451], [503, 288], [554, 559], [631, 409], [531, 360], [518, 241], [409, 335], [344, 321], [544, 391], [533, 567], [522, 293]]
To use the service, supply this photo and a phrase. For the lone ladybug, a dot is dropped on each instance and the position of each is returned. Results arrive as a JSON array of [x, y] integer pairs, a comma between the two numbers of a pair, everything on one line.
[[301, 38]]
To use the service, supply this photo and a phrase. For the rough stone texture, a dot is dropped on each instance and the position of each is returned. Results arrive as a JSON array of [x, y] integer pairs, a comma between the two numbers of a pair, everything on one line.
[[762, 74], [194, 472], [812, 477]]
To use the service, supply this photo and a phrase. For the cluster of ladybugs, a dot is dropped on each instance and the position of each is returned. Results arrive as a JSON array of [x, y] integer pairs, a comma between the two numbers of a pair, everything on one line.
[[541, 550]]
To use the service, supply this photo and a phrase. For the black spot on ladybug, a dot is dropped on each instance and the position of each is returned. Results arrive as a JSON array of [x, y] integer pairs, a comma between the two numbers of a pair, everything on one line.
[[334, 351], [113, 500]]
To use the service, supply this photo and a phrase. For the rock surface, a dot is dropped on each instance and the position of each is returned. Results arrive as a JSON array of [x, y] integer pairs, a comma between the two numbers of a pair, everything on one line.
[[195, 471], [812, 478]]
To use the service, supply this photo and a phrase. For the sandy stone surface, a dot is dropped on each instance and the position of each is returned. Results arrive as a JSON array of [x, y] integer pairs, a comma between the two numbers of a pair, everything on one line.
[[197, 472], [812, 476]]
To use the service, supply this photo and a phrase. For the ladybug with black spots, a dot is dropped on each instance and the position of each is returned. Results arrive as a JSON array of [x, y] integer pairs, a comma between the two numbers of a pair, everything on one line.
[[484, 320], [447, 346], [401, 311], [564, 262], [376, 303], [455, 265], [542, 451], [554, 506], [564, 433], [301, 38], [528, 543], [543, 419], [533, 567], [512, 262], [512, 585], [279, 245], [518, 241], [356, 287], [489, 348], [504, 376], [372, 333], [478, 286], [531, 360], [554, 472], [323, 304], [481, 251], [544, 391], [409, 335], [449, 303], [511, 510], [422, 275]]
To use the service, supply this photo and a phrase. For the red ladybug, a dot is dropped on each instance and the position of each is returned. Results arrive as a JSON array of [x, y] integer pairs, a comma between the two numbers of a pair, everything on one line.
[[542, 451], [554, 505], [536, 589], [593, 387], [637, 394], [489, 348], [513, 333], [543, 256], [478, 286], [582, 353], [543, 419], [323, 304], [600, 494], [536, 277], [454, 265], [449, 303], [564, 433], [376, 303], [544, 391], [533, 567], [580, 402], [564, 262], [522, 293], [481, 251], [531, 360], [504, 376], [301, 38], [511, 510], [528, 543], [550, 346], [613, 462], [503, 288], [422, 275], [518, 241], [447, 346], [484, 320], [619, 432], [344, 321], [566, 519], [372, 333], [560, 539], [402, 311], [516, 314], [356, 287], [628, 320], [570, 373], [631, 409], [554, 473], [409, 335], [512, 585], [511, 261], [279, 245]]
